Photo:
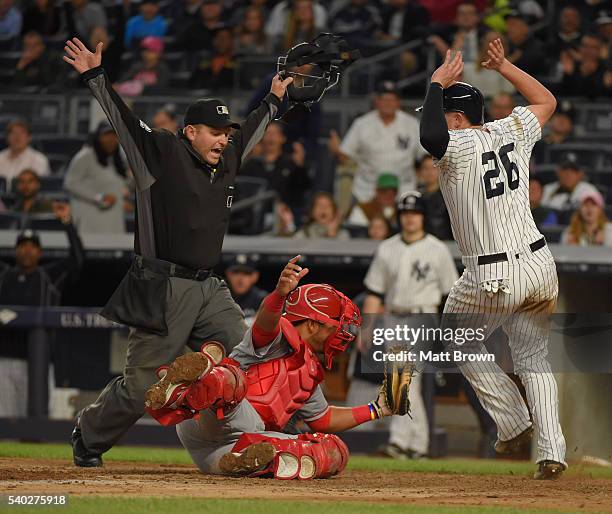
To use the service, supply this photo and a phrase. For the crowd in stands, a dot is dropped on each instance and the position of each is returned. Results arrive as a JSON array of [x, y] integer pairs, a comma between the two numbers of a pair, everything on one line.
[[379, 153]]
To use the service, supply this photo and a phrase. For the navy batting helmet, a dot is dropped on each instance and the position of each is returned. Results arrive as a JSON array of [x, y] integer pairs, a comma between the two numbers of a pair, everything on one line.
[[466, 99], [411, 201]]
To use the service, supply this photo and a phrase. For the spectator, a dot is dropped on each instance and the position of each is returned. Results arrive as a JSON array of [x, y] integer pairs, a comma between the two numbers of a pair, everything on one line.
[[382, 204], [437, 221], [43, 16], [148, 75], [525, 51], [198, 35], [542, 216], [604, 29], [589, 225], [565, 194], [489, 82], [583, 74], [242, 6], [286, 173], [216, 72], [570, 31], [383, 139], [357, 22], [111, 52], [20, 155], [286, 14], [444, 12], [464, 35], [29, 201], [241, 277], [250, 36], [148, 23], [404, 20], [36, 68], [302, 25], [82, 17], [323, 220], [379, 228], [184, 13], [165, 119], [501, 106], [96, 181], [30, 283], [559, 130], [10, 24]]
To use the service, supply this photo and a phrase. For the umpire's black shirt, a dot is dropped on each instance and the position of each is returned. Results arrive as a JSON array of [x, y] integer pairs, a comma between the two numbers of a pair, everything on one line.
[[182, 202]]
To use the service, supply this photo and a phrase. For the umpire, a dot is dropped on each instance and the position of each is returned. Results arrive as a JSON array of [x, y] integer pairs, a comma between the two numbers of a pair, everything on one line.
[[169, 297]]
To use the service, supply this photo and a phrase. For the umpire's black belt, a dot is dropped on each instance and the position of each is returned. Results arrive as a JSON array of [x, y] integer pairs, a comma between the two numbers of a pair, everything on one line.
[[170, 269], [492, 258]]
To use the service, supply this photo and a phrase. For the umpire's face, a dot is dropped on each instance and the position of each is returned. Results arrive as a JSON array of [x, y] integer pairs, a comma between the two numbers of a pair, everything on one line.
[[209, 142]]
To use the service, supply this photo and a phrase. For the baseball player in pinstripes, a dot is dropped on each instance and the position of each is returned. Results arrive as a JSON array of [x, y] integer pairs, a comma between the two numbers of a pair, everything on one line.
[[510, 279]]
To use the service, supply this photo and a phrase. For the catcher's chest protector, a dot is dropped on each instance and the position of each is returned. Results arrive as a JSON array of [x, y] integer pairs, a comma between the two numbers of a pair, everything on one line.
[[280, 387]]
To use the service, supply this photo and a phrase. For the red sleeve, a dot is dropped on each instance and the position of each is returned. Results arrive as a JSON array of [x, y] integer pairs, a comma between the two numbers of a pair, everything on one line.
[[271, 307], [321, 424]]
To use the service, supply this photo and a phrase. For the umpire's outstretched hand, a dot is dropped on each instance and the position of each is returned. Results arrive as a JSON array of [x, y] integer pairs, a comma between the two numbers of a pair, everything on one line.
[[279, 86], [80, 57]]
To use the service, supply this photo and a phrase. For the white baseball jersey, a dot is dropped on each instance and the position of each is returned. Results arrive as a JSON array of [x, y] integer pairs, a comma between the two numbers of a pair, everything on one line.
[[411, 276], [484, 178], [378, 148]]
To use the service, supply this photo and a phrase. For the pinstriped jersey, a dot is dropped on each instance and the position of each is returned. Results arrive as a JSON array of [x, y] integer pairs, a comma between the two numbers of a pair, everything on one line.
[[411, 275], [484, 179]]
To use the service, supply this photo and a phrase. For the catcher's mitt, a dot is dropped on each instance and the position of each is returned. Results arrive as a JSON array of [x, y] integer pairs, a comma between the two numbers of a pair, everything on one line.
[[393, 393]]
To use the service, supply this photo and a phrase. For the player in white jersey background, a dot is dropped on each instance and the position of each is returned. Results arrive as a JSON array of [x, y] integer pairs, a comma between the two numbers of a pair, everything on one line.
[[510, 277], [411, 273]]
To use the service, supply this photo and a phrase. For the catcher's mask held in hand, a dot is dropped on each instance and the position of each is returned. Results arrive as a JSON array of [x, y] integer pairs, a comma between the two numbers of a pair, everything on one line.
[[315, 67], [323, 303]]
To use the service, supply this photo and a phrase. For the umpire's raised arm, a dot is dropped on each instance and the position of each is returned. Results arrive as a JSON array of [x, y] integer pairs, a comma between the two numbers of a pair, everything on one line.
[[253, 128], [140, 143]]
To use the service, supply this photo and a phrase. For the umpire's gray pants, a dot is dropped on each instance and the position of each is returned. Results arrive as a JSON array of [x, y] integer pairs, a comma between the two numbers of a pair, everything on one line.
[[195, 312]]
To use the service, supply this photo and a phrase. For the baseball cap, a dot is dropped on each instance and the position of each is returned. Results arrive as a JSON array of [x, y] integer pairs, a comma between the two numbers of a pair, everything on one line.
[[153, 44], [28, 235], [242, 262], [387, 86], [387, 181], [211, 112], [603, 18], [566, 107], [594, 196], [569, 161], [104, 127]]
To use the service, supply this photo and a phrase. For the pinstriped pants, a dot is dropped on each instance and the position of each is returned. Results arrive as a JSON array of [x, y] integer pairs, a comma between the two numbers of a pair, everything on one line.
[[523, 314]]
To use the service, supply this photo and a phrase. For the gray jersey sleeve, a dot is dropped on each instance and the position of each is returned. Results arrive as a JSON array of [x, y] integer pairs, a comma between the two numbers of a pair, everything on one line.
[[315, 407], [246, 354]]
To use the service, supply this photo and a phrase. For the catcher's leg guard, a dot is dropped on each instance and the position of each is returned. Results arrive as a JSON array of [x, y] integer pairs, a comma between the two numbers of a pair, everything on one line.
[[203, 377], [308, 456]]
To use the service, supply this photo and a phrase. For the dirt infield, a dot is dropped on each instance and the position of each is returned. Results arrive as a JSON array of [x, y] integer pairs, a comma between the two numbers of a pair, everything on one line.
[[571, 493]]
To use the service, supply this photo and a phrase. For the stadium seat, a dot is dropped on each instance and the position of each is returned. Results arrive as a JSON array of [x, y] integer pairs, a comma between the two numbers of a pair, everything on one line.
[[60, 145], [58, 163], [3, 184], [356, 231], [42, 222], [593, 155], [553, 233], [175, 61], [9, 221], [249, 220], [52, 183]]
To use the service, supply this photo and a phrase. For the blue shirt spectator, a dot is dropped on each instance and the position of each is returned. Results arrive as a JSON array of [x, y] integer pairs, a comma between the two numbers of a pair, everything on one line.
[[148, 23], [10, 21]]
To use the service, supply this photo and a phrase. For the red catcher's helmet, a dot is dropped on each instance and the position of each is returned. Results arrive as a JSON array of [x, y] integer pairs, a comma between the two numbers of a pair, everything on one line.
[[323, 303]]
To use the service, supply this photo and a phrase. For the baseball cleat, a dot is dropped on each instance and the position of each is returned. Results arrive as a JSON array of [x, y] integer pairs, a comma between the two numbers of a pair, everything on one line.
[[176, 378], [81, 456], [255, 457], [549, 470], [519, 445]]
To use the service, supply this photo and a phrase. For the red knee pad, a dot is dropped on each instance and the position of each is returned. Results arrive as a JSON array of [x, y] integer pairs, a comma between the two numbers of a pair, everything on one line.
[[222, 388], [309, 456]]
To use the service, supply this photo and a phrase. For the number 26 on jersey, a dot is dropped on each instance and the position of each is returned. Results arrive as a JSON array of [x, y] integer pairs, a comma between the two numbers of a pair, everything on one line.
[[491, 162]]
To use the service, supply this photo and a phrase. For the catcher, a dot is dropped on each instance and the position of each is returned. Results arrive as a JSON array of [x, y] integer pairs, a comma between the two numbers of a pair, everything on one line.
[[238, 415]]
